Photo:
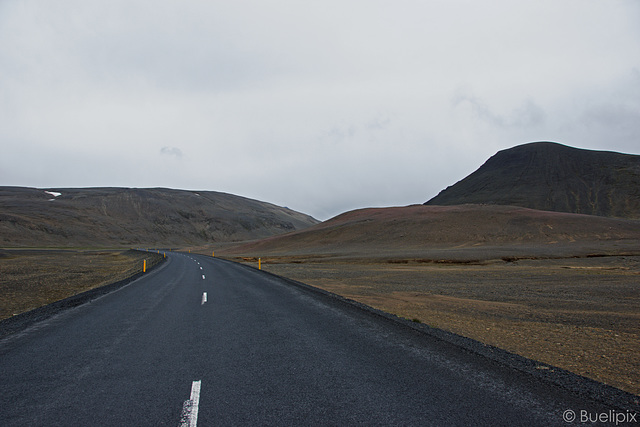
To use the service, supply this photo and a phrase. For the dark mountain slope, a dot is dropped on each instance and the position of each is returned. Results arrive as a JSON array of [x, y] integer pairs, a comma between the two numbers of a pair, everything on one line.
[[553, 177], [124, 216]]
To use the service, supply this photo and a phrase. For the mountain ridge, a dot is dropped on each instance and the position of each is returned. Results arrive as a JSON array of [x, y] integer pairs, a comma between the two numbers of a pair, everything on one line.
[[108, 216]]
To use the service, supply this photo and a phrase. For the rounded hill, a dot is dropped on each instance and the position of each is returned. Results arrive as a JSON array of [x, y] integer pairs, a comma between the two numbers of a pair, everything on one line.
[[462, 231]]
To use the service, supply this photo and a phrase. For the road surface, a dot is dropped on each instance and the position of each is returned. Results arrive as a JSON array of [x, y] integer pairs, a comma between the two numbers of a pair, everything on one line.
[[208, 342]]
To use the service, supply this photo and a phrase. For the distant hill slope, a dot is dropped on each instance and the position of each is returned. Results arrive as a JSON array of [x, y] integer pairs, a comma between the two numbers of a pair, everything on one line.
[[461, 231], [553, 177], [125, 216]]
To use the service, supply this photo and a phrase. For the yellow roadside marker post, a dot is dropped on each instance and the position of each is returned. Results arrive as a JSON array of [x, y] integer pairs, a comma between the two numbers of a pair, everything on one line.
[[213, 254], [259, 264], [144, 266]]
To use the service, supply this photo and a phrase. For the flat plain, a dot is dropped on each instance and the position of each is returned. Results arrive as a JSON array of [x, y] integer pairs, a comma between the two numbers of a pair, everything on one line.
[[581, 314]]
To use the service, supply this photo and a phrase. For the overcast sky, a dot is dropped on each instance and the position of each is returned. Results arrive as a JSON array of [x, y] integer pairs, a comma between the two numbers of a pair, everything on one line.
[[321, 106]]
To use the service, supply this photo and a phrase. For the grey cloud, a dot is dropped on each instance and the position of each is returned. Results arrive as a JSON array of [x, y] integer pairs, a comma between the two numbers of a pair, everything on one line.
[[528, 114], [379, 123], [171, 151], [617, 116], [612, 113], [478, 107], [351, 131], [342, 132], [621, 122]]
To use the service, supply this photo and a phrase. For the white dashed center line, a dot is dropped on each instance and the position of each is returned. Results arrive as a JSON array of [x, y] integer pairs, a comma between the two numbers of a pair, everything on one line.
[[189, 416], [203, 277], [204, 298]]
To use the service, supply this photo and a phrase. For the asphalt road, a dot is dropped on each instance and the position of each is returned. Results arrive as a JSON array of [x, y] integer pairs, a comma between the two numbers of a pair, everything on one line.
[[255, 350]]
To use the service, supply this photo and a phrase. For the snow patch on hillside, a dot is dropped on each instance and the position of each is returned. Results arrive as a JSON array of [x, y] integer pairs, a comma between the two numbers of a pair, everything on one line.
[[54, 194]]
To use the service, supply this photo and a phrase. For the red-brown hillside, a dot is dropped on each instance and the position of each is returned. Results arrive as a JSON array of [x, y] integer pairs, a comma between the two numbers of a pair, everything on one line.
[[414, 230]]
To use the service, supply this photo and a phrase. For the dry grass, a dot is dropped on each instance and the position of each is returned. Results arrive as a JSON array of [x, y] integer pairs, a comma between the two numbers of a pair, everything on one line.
[[33, 278], [581, 314]]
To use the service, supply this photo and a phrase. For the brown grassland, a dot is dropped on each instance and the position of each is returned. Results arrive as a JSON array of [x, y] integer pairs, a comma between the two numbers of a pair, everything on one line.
[[32, 278]]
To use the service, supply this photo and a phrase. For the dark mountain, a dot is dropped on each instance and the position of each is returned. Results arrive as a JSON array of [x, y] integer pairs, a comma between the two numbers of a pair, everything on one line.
[[125, 216], [553, 177]]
